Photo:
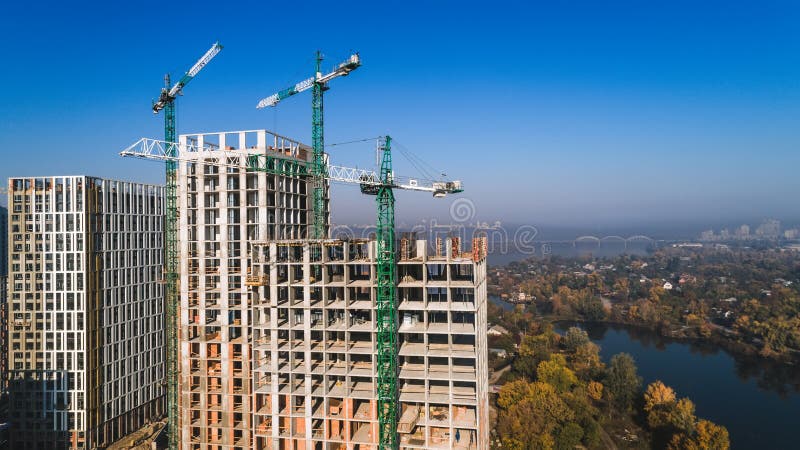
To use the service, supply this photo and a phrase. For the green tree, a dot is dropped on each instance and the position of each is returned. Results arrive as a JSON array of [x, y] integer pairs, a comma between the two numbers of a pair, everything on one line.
[[622, 381], [533, 349], [586, 360], [681, 416], [592, 309], [591, 433], [574, 338], [568, 436], [556, 373]]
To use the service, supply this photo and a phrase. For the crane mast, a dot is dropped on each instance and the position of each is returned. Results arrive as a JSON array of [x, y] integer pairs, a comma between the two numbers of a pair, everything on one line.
[[319, 227], [166, 102], [386, 304]]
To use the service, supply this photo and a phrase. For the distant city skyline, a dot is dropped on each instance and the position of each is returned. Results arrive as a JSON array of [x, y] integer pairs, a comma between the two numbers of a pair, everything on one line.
[[767, 229], [592, 114]]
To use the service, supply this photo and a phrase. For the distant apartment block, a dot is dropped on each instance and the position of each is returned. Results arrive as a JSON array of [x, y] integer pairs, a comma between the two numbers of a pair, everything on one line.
[[85, 337]]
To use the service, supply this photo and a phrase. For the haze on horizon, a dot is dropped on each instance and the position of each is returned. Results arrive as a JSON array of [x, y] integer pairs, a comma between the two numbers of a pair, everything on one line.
[[611, 114]]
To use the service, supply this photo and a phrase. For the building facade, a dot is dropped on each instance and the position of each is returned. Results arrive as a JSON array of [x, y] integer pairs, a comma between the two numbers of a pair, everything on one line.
[[85, 310], [314, 342], [3, 301], [3, 241]]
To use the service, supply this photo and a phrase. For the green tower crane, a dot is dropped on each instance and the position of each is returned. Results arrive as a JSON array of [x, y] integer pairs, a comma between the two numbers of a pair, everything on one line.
[[386, 283], [318, 83], [166, 101], [386, 305]]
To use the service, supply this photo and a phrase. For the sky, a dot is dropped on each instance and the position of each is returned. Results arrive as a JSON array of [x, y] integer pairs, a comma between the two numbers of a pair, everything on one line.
[[614, 114]]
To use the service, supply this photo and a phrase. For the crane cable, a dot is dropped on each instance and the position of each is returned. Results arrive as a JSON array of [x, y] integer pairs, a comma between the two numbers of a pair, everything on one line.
[[425, 168], [419, 163], [352, 142]]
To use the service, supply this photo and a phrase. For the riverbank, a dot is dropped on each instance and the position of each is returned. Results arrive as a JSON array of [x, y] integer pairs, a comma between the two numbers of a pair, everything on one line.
[[720, 337], [747, 301], [717, 339], [757, 399]]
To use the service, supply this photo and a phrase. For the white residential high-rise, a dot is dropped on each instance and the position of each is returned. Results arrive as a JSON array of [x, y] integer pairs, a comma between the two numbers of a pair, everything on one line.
[[86, 337]]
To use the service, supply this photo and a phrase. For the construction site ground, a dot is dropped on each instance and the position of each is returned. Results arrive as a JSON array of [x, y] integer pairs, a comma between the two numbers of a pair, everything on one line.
[[142, 439]]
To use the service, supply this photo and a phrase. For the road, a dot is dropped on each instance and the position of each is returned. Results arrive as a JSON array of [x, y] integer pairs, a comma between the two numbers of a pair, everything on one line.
[[496, 374]]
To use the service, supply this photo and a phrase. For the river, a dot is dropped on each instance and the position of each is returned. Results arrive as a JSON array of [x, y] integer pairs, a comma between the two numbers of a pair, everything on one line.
[[757, 400], [500, 255]]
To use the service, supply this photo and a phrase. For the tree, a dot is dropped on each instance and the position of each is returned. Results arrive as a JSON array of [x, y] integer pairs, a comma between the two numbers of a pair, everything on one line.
[[681, 416], [586, 360], [658, 394], [622, 287], [529, 413], [712, 436], [659, 401], [512, 393], [568, 436], [556, 373], [539, 345], [595, 390], [563, 300], [708, 436], [591, 308], [595, 283], [591, 433], [574, 338], [622, 381], [532, 349]]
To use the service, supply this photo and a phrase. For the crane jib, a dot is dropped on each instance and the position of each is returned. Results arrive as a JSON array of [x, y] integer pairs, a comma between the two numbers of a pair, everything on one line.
[[343, 69], [197, 67]]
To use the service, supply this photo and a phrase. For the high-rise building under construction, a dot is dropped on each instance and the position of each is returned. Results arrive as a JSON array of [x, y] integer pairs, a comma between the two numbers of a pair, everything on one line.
[[278, 332], [222, 208], [85, 310]]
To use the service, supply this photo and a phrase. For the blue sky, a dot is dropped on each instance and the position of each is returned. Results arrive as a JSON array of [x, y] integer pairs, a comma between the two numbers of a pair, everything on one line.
[[572, 113]]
